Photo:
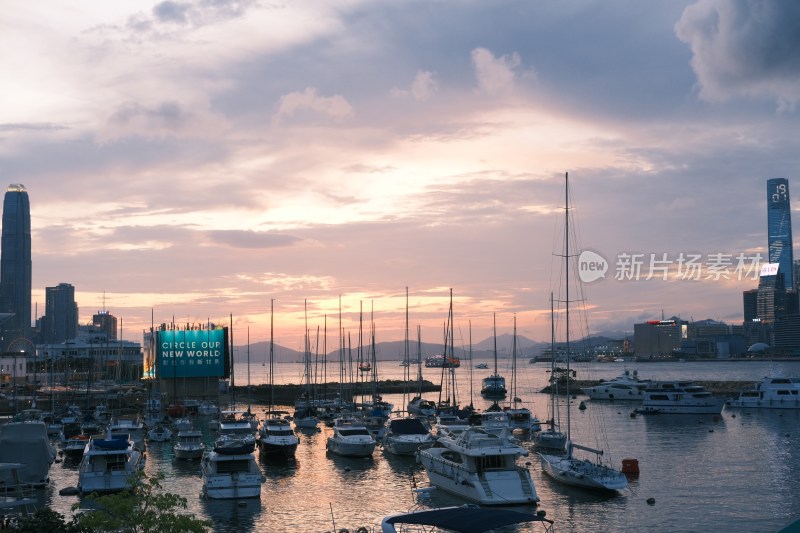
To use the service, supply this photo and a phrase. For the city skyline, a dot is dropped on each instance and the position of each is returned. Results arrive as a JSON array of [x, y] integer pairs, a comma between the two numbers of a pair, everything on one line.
[[191, 161]]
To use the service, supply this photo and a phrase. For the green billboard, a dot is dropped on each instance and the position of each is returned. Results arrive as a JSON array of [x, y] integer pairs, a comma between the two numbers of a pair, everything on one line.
[[191, 353]]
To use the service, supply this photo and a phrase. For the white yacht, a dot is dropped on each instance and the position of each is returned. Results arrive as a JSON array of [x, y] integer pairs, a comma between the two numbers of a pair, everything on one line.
[[770, 393], [189, 444], [236, 425], [108, 463], [679, 397], [208, 408], [159, 433], [625, 387], [449, 425], [480, 467], [522, 418], [276, 437], [351, 438], [230, 471], [404, 436], [419, 407]]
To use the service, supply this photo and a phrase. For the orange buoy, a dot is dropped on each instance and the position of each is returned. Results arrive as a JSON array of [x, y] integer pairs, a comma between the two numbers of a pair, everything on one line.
[[630, 466]]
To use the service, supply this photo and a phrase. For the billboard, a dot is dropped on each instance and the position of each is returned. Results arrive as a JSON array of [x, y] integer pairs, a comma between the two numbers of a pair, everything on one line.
[[191, 353], [769, 269]]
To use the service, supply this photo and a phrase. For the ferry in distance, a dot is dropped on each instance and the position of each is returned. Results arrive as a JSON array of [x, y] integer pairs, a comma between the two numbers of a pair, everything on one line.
[[439, 361]]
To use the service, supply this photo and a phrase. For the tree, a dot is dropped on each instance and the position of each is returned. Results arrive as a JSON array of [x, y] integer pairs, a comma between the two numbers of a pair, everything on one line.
[[141, 508], [46, 519]]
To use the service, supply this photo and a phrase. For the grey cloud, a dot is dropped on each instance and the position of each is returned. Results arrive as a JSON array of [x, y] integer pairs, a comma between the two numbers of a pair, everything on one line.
[[168, 114], [744, 48], [251, 239], [171, 12], [32, 126]]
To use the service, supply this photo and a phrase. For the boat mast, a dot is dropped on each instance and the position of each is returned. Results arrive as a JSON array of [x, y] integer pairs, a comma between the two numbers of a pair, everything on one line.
[[271, 353], [566, 284]]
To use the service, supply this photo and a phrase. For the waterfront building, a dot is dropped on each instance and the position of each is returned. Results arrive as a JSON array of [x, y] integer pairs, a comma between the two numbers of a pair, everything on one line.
[[787, 334], [110, 360], [658, 338], [15, 267], [60, 320]]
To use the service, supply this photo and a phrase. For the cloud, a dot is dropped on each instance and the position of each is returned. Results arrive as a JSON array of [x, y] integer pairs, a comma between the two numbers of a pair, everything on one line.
[[422, 88], [743, 48], [495, 74], [251, 239], [333, 106]]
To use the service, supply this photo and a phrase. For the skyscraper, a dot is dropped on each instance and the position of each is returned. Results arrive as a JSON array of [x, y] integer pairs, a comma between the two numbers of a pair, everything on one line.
[[779, 229], [15, 265], [60, 322]]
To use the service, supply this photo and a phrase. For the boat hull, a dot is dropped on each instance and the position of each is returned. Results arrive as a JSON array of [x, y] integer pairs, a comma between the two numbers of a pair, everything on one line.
[[505, 487], [580, 473], [351, 449]]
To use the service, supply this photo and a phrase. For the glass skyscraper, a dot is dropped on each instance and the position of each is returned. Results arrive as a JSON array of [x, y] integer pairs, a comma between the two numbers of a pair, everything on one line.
[[779, 229], [15, 266]]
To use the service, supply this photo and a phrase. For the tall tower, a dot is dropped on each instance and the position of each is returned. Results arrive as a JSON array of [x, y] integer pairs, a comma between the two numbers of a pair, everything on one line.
[[779, 229], [60, 322], [15, 265]]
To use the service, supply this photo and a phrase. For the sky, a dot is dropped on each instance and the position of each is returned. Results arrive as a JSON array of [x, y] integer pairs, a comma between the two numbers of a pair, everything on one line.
[[211, 160]]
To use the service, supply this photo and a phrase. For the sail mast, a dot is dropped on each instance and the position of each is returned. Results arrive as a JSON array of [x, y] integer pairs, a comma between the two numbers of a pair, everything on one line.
[[566, 284]]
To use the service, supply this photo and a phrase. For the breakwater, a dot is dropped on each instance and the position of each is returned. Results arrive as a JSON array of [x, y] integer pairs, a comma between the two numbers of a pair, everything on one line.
[[287, 393]]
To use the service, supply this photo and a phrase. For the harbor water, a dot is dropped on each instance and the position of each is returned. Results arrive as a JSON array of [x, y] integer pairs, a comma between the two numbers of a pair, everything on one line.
[[739, 472]]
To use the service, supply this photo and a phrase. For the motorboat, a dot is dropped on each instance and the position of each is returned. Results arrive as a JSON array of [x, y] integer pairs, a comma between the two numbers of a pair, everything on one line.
[[522, 418], [351, 438], [551, 440], [574, 471], [276, 437], [420, 407], [448, 424], [404, 436], [480, 467], [230, 471], [159, 433], [26, 441], [208, 408], [679, 397], [625, 387], [494, 386], [109, 461], [461, 519], [771, 393], [482, 366], [74, 445], [236, 425], [493, 420], [189, 444]]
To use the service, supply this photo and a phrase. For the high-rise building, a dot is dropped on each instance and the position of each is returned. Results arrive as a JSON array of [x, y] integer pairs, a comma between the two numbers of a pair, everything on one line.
[[60, 321], [105, 321], [15, 265], [779, 229]]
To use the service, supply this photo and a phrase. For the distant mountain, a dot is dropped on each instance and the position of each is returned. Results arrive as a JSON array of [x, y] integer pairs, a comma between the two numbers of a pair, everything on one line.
[[395, 350]]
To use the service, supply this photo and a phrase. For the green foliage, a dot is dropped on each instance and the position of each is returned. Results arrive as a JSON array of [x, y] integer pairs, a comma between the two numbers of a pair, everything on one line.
[[46, 519], [141, 508]]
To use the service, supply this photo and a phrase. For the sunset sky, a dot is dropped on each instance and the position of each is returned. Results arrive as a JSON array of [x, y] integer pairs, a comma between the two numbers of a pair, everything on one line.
[[192, 160]]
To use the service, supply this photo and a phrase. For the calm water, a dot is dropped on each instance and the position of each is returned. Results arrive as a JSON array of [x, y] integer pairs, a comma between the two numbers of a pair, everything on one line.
[[738, 473]]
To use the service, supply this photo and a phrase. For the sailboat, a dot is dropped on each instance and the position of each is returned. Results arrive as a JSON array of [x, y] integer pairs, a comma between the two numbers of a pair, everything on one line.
[[406, 434], [418, 405], [552, 439], [305, 414], [520, 417], [494, 386], [275, 436], [567, 468]]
